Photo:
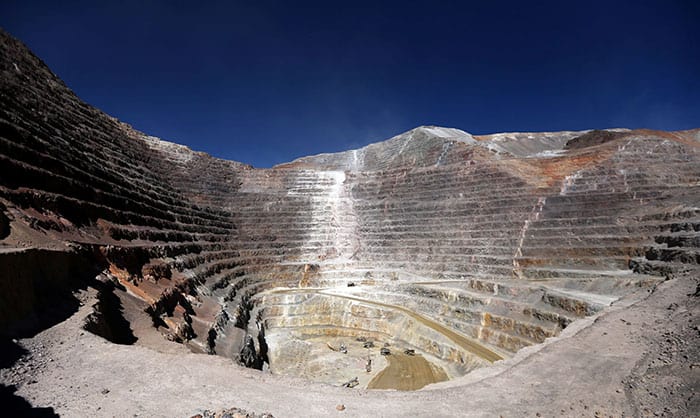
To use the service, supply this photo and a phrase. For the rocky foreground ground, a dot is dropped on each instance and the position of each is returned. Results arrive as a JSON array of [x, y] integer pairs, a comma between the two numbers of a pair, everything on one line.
[[638, 360]]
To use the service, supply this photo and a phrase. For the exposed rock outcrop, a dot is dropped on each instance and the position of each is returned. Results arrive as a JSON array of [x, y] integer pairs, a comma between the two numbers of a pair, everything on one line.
[[463, 249], [595, 137]]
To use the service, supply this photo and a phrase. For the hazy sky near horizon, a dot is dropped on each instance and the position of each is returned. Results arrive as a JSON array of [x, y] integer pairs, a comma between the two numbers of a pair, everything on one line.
[[264, 82]]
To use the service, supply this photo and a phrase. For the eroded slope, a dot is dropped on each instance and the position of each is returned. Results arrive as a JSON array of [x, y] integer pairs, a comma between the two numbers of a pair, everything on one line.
[[461, 250]]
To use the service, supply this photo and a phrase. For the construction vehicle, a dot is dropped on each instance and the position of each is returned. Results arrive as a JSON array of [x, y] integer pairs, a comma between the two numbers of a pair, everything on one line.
[[351, 383]]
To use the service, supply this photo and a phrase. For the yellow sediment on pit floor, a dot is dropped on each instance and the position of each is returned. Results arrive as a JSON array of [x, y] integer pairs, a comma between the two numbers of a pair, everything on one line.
[[406, 372]]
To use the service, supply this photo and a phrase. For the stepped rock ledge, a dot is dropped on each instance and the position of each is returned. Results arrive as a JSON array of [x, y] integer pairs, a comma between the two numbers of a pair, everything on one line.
[[436, 273]]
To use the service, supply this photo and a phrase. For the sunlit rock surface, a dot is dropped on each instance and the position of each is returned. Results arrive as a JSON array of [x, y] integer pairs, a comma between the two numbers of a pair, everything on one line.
[[461, 248]]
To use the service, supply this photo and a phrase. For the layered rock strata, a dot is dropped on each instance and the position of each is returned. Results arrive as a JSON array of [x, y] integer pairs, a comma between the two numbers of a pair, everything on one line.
[[462, 248]]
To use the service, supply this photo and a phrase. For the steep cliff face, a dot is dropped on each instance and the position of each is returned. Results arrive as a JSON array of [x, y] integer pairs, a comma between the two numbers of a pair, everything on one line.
[[463, 248]]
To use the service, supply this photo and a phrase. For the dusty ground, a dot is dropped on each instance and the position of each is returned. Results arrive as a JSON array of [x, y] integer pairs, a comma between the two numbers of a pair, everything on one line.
[[312, 359], [636, 360], [407, 373]]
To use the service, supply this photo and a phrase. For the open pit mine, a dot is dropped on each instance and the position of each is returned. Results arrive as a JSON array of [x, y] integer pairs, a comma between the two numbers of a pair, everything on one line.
[[436, 273]]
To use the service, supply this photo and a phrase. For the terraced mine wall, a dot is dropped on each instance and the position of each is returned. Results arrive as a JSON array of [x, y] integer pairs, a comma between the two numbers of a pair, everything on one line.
[[457, 249]]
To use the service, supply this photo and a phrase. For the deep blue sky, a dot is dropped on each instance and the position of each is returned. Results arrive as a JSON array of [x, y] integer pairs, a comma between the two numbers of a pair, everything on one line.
[[265, 82]]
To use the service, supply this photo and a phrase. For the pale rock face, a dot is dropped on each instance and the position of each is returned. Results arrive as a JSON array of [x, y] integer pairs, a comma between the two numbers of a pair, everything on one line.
[[175, 152], [449, 133], [520, 144], [400, 149], [444, 133]]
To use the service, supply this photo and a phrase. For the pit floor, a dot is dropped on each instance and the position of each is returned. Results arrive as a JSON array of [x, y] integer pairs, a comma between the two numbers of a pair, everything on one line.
[[314, 359]]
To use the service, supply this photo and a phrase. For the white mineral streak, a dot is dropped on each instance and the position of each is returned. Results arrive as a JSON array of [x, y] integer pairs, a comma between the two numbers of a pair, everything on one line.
[[445, 149], [550, 153], [343, 217], [409, 136], [358, 157], [333, 218], [532, 217]]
